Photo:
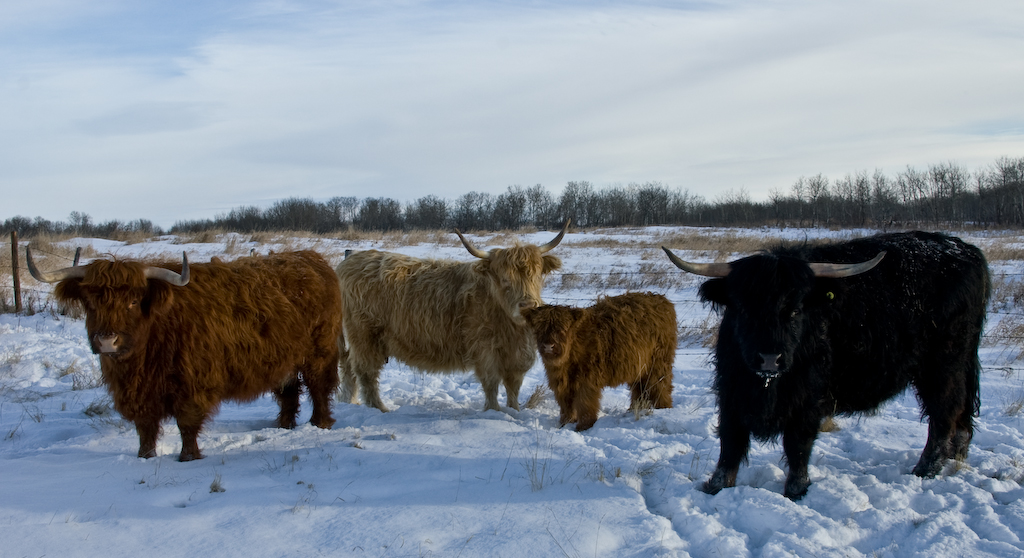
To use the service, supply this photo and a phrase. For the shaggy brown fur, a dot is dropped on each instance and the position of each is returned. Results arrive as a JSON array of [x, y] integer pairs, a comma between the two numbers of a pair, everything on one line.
[[628, 339], [441, 316], [235, 331]]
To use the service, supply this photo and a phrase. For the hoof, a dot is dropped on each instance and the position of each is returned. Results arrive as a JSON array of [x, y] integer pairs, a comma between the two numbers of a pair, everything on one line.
[[711, 488], [326, 424], [184, 457], [719, 479], [929, 470]]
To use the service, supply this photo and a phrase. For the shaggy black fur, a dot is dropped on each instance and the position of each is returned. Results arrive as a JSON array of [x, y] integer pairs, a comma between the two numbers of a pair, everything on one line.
[[843, 346]]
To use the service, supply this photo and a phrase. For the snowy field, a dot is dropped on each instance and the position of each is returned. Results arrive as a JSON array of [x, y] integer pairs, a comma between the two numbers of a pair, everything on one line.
[[437, 476]]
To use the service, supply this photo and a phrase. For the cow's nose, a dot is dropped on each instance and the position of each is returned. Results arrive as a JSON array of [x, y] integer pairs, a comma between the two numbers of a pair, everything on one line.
[[108, 342], [770, 362]]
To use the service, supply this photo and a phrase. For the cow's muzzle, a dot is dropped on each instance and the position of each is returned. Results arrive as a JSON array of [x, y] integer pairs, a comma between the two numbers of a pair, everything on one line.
[[769, 370], [770, 362], [107, 343]]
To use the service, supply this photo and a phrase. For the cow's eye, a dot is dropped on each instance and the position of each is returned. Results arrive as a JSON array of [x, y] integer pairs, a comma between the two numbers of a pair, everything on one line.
[[133, 304], [795, 313]]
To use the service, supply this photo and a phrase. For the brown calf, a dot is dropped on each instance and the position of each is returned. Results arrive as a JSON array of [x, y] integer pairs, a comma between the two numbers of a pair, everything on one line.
[[627, 339]]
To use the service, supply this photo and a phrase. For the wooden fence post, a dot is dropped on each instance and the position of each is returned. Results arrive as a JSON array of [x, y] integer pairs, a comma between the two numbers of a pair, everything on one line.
[[17, 279]]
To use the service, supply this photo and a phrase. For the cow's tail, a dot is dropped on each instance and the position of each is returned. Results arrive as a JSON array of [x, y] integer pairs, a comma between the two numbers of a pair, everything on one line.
[[974, 388], [348, 388]]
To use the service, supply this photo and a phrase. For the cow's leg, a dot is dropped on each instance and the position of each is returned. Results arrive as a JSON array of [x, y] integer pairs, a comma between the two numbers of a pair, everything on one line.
[[661, 393], [964, 426], [797, 442], [513, 381], [659, 379], [937, 449], [190, 426], [586, 404], [654, 390], [963, 431], [322, 381], [369, 385], [563, 396], [490, 383], [288, 399], [149, 432], [942, 399], [639, 395], [735, 442], [948, 391], [349, 392], [961, 440], [367, 355]]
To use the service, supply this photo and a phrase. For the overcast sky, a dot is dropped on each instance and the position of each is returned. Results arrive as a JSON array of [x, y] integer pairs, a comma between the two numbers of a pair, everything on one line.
[[182, 110]]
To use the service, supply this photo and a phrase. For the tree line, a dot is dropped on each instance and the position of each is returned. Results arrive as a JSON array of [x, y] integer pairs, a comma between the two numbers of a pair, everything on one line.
[[942, 195]]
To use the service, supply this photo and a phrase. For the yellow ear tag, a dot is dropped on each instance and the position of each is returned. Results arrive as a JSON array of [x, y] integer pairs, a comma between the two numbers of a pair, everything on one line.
[[830, 295]]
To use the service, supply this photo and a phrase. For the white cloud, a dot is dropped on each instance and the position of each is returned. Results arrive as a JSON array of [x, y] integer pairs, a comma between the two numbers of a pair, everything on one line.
[[443, 98]]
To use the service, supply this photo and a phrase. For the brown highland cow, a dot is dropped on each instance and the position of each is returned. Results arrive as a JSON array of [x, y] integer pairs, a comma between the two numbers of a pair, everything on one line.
[[176, 340], [627, 339]]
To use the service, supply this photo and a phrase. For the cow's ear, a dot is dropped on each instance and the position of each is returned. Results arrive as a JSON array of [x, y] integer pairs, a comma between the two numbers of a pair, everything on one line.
[[551, 263], [715, 291], [69, 291], [528, 314], [159, 298]]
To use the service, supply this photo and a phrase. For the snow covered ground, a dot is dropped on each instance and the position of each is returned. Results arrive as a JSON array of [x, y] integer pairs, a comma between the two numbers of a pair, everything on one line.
[[439, 477]]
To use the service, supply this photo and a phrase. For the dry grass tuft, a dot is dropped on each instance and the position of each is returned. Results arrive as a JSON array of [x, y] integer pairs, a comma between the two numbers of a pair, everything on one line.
[[714, 244], [82, 377], [1008, 248], [650, 276], [829, 424], [100, 407], [703, 333], [540, 393], [200, 237], [641, 409], [1007, 291], [1009, 333], [1015, 405]]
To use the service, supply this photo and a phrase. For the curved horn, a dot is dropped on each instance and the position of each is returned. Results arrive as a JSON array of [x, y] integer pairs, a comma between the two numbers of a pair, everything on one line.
[[705, 269], [838, 271], [74, 272], [554, 241], [469, 246], [178, 280]]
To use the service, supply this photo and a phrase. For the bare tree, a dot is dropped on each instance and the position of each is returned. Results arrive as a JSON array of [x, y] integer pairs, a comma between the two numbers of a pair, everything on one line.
[[574, 203], [818, 199], [380, 214], [540, 207], [428, 212], [510, 209], [884, 199]]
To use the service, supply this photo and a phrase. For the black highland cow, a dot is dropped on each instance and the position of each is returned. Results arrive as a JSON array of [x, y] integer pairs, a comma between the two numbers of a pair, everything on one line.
[[800, 341]]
